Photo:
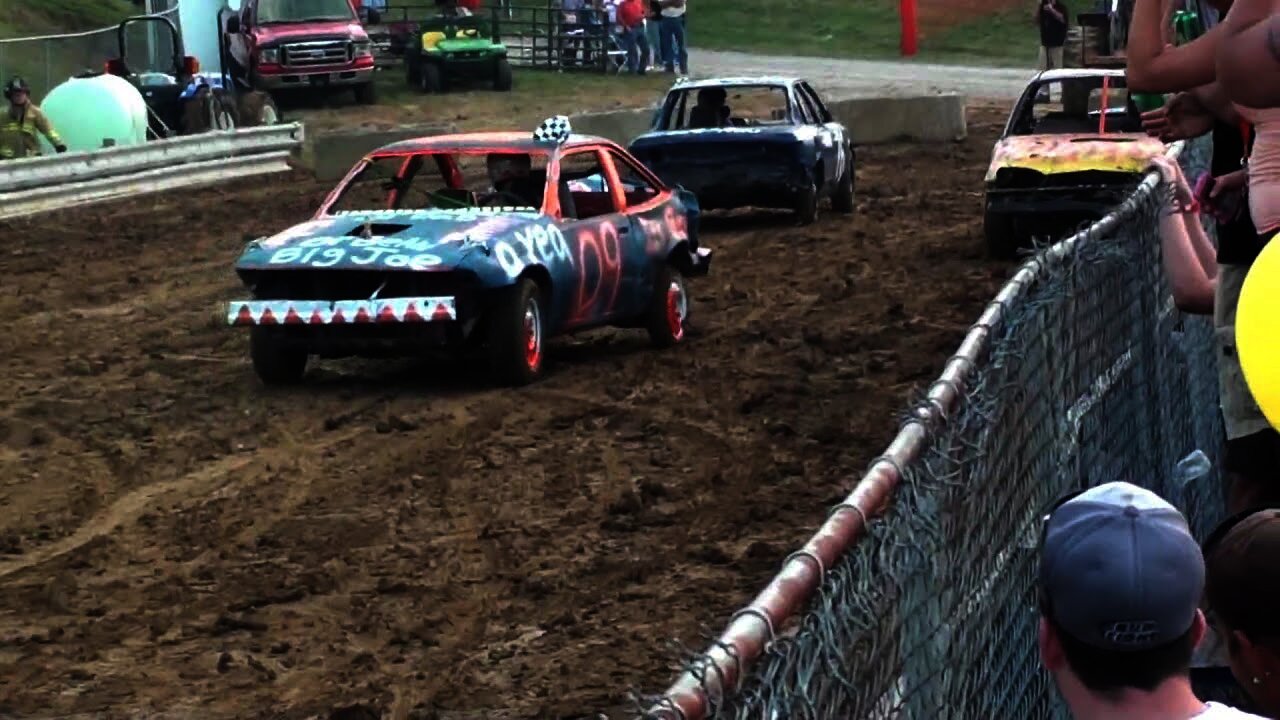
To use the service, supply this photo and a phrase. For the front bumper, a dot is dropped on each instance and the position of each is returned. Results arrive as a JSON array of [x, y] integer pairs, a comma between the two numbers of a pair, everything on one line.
[[1065, 199], [313, 78], [248, 313]]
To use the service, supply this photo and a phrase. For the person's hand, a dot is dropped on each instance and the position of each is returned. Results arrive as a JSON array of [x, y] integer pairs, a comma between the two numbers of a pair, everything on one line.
[[1171, 175], [1231, 181], [60, 148], [1181, 118]]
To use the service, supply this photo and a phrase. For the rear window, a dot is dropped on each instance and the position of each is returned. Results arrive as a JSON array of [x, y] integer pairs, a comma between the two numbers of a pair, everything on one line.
[[731, 106]]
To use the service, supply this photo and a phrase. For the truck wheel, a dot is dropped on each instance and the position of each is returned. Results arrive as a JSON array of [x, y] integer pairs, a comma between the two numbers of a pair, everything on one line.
[[223, 113], [502, 76], [430, 79], [998, 231], [668, 312], [842, 200], [367, 94], [806, 207], [275, 363], [516, 334], [257, 109]]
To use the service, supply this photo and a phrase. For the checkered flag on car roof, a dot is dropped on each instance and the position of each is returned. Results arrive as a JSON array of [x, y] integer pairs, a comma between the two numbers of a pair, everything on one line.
[[553, 130]]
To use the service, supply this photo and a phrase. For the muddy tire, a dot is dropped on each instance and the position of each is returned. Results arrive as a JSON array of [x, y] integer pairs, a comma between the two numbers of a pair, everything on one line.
[[258, 109], [367, 94], [806, 205], [842, 200], [429, 79], [999, 232], [274, 362], [502, 75], [517, 332], [668, 316]]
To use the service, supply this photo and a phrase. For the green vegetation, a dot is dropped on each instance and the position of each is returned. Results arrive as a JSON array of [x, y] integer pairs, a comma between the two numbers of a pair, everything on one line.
[[855, 29], [27, 17]]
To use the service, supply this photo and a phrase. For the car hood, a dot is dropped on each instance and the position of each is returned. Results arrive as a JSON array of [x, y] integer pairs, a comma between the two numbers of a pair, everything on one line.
[[270, 34], [494, 244], [1052, 154]]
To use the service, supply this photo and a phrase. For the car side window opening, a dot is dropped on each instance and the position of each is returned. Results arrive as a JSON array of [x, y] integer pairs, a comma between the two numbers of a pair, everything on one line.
[[635, 186], [582, 173], [808, 113], [819, 107]]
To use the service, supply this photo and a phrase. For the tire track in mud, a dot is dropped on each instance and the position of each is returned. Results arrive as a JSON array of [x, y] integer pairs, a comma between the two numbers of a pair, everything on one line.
[[403, 536]]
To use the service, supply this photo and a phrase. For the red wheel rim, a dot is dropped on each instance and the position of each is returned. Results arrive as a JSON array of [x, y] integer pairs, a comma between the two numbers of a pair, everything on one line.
[[677, 308], [532, 336]]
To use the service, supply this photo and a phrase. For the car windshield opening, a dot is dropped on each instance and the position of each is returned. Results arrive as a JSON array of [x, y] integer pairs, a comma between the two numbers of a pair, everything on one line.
[[1078, 106], [728, 106], [446, 181], [291, 11]]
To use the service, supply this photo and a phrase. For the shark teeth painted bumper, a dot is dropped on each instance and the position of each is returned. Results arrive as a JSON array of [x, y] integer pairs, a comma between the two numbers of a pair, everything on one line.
[[341, 312]]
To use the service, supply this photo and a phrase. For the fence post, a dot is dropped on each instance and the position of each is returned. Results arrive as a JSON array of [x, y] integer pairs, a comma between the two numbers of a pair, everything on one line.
[[910, 32], [48, 70]]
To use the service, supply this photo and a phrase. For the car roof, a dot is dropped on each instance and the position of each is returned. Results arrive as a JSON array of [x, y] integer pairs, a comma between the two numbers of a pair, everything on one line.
[[781, 80], [487, 141], [1077, 73]]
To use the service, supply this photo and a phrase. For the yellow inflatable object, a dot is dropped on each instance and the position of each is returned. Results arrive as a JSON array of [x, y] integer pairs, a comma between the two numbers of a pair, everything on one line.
[[1258, 331]]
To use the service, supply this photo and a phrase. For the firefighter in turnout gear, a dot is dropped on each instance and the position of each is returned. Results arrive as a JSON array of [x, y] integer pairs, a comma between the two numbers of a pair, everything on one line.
[[18, 127]]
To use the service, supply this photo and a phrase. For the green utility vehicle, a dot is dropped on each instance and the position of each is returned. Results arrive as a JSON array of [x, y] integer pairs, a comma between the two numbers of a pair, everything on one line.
[[452, 49]]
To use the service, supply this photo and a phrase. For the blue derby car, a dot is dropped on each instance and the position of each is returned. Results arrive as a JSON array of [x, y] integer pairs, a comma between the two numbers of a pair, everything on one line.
[[765, 142], [486, 241]]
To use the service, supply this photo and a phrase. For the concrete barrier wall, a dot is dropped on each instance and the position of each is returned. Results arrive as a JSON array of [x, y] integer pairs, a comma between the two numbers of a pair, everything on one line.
[[925, 118], [929, 118], [330, 155]]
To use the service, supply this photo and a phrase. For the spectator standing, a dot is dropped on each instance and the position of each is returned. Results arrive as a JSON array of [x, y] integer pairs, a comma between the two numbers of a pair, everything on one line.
[[1052, 17], [631, 19], [672, 31], [22, 122], [1120, 584], [651, 33], [1243, 592], [1153, 65]]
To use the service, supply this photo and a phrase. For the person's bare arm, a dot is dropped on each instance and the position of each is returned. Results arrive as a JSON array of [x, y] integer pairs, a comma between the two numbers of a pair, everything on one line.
[[1248, 60], [1192, 287], [1153, 66], [1213, 97], [1206, 253]]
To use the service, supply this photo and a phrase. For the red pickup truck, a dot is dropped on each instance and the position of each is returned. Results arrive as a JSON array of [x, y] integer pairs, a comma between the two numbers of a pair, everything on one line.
[[312, 45]]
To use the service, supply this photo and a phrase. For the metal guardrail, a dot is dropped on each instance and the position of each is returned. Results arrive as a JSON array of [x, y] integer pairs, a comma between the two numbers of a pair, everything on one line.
[[33, 185]]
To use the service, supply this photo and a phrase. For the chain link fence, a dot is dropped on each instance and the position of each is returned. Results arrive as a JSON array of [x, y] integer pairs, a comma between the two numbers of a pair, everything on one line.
[[47, 61], [1091, 375]]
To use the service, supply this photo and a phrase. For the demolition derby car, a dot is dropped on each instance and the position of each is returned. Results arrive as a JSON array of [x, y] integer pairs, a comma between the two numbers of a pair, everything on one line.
[[490, 242], [1064, 164], [765, 142]]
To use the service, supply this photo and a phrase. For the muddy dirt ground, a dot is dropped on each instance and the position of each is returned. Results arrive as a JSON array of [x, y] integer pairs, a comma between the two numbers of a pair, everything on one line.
[[399, 538]]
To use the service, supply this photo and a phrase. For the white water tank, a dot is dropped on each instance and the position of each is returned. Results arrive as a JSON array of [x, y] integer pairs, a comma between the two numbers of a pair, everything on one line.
[[87, 111]]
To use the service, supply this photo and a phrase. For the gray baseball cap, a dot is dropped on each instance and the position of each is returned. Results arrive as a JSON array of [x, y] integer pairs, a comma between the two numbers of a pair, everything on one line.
[[1119, 569]]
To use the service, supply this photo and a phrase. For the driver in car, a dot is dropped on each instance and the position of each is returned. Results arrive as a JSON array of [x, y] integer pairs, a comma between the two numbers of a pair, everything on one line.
[[512, 177]]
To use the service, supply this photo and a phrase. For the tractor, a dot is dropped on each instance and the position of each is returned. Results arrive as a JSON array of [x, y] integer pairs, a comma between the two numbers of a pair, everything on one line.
[[452, 47], [180, 99]]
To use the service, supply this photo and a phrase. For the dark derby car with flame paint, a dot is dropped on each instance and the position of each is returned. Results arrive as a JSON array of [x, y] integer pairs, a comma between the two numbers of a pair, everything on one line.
[[484, 242], [767, 142]]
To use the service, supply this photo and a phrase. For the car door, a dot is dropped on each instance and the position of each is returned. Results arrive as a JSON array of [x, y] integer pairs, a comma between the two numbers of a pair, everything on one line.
[[654, 225], [600, 239], [836, 147]]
